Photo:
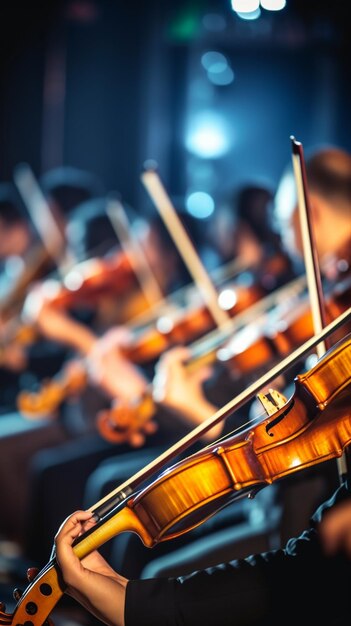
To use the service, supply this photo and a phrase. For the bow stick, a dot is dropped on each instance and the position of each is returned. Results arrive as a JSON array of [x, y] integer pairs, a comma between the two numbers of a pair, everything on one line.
[[313, 274], [157, 192], [43, 218], [120, 223]]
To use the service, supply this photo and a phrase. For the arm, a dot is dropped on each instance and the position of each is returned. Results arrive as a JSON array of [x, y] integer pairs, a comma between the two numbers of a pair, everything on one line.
[[107, 367], [294, 585], [53, 321]]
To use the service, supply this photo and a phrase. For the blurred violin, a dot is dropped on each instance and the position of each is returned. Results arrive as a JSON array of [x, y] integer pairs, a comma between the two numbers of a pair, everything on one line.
[[91, 278], [311, 427], [53, 392], [179, 325], [246, 349], [175, 326]]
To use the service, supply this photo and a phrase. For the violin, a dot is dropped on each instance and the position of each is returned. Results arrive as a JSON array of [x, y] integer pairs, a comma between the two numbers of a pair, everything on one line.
[[91, 278], [247, 350], [152, 333], [311, 427], [71, 382]]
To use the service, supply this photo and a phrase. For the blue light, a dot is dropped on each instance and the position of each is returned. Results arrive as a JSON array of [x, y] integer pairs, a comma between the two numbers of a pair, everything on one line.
[[214, 61], [226, 77], [207, 135], [200, 204], [273, 5], [252, 15], [245, 6]]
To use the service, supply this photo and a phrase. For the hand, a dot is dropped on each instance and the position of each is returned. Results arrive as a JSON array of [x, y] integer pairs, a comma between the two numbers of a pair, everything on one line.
[[179, 389], [109, 369], [335, 529], [91, 581]]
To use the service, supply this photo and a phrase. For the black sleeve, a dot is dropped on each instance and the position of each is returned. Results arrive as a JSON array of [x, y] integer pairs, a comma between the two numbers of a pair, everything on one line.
[[294, 585]]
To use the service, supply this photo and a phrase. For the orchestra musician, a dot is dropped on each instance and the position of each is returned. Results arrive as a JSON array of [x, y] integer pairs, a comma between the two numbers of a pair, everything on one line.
[[329, 180]]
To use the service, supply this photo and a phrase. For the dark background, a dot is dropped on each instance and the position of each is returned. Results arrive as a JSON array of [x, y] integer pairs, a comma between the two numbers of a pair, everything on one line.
[[103, 85]]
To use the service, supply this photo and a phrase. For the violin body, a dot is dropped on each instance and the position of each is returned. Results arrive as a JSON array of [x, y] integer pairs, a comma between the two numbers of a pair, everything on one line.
[[94, 277]]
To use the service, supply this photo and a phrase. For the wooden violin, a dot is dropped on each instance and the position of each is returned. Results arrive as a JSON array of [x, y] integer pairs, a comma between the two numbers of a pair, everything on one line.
[[91, 278], [69, 383], [166, 327], [313, 426], [246, 352]]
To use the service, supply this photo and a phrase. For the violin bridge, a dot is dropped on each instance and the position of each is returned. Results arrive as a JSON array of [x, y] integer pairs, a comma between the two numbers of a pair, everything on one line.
[[272, 401]]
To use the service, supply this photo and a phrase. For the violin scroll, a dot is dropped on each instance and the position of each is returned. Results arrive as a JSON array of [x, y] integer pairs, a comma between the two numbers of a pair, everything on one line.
[[122, 421]]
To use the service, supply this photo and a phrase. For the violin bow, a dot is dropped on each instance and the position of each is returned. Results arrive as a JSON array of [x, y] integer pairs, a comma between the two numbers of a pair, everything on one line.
[[313, 273], [123, 229], [43, 218], [186, 249]]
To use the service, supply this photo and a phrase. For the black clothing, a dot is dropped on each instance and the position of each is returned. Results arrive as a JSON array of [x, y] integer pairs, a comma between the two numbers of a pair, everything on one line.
[[294, 585]]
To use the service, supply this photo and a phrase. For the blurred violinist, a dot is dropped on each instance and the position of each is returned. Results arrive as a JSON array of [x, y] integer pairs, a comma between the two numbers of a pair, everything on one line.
[[257, 245], [25, 256], [23, 260], [329, 180], [329, 184], [108, 302]]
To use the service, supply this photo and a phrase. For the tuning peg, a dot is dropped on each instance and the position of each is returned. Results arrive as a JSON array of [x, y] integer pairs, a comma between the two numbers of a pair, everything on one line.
[[17, 594], [2, 607], [31, 573]]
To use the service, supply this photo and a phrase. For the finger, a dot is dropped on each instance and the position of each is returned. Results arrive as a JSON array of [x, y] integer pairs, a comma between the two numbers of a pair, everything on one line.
[[32, 573], [74, 521]]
